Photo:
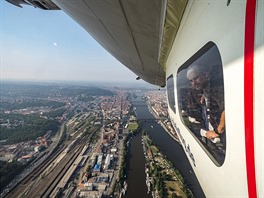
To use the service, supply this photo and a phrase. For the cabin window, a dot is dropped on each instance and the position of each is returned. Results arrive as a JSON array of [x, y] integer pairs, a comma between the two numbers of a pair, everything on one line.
[[200, 91], [170, 92]]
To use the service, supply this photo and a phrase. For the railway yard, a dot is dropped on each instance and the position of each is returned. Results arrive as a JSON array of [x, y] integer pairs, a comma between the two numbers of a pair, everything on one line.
[[83, 161]]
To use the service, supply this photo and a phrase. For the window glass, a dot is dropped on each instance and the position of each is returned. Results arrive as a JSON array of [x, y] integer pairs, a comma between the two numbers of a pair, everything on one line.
[[200, 88], [170, 92]]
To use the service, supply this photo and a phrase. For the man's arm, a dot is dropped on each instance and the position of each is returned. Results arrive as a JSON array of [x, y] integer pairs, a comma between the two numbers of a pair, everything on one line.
[[220, 129]]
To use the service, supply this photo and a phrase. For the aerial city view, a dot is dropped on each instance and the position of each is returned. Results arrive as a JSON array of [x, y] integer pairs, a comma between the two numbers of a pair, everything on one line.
[[74, 141], [68, 118], [131, 98]]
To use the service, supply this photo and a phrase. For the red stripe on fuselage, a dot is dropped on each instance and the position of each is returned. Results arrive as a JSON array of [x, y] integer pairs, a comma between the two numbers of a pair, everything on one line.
[[249, 95]]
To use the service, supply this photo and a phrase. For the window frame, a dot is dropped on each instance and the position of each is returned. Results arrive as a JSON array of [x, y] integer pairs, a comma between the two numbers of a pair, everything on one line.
[[171, 93], [192, 60]]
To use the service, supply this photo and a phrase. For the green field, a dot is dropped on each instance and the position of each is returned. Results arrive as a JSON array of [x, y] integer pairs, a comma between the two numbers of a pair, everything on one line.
[[132, 126]]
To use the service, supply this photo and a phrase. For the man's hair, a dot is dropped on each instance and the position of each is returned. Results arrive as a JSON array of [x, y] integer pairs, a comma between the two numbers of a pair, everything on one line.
[[198, 69]]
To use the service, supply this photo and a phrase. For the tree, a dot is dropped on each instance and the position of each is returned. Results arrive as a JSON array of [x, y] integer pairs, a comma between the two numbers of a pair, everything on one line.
[[174, 195]]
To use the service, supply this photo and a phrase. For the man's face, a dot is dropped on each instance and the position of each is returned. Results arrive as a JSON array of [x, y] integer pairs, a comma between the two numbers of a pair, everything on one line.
[[197, 80]]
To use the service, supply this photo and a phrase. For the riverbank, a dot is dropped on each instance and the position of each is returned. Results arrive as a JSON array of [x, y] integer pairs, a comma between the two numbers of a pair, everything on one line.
[[172, 149], [167, 127], [135, 170], [162, 179]]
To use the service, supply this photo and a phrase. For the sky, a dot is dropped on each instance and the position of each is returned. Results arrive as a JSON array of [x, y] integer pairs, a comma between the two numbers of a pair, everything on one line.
[[39, 45]]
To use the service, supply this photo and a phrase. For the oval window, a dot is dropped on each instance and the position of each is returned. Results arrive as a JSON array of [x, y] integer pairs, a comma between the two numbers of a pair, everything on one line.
[[170, 93], [200, 88]]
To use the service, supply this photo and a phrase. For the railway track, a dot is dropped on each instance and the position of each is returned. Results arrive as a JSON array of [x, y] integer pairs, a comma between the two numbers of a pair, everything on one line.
[[27, 181], [47, 185], [55, 182], [44, 179]]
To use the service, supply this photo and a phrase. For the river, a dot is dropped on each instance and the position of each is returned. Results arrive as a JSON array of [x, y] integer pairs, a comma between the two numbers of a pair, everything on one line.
[[136, 177]]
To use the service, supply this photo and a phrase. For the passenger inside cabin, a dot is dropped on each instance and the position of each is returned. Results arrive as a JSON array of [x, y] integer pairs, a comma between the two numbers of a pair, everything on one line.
[[200, 94], [205, 102]]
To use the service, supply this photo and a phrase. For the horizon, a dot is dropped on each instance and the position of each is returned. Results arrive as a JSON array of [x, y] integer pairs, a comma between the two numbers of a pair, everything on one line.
[[136, 84]]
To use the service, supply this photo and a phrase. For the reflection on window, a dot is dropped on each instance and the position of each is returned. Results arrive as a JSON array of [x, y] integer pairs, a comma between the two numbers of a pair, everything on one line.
[[201, 100], [170, 92]]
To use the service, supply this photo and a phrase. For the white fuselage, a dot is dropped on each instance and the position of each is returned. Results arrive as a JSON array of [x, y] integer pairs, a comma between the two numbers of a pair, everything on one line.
[[201, 20]]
